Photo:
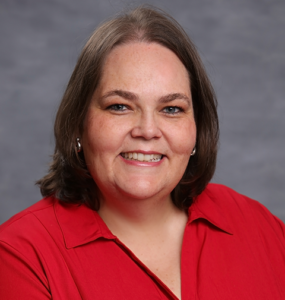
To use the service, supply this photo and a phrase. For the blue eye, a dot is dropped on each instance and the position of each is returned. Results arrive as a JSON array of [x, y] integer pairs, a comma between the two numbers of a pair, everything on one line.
[[118, 107], [172, 110]]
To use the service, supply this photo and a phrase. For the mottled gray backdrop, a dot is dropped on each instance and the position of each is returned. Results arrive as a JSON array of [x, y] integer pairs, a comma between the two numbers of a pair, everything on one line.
[[241, 42]]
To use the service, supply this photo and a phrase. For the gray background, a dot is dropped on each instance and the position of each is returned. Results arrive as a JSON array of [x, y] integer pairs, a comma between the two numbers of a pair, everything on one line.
[[241, 43]]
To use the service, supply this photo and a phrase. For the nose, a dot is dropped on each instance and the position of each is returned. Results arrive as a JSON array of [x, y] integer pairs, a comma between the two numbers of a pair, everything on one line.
[[146, 127]]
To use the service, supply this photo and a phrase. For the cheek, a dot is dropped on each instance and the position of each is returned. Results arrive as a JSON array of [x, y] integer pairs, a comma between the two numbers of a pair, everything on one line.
[[185, 139], [101, 134], [94, 132]]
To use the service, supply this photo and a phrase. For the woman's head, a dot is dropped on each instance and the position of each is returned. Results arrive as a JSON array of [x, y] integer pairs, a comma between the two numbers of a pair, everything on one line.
[[139, 130], [69, 177]]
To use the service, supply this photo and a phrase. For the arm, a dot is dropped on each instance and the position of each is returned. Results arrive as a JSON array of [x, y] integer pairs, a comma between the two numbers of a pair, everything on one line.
[[281, 225], [19, 279]]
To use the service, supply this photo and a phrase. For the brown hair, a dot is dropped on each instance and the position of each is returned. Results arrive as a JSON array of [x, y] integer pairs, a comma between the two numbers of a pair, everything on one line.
[[68, 178]]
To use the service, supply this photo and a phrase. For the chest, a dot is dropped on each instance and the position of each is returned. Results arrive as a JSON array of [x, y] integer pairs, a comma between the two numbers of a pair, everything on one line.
[[165, 263], [214, 265]]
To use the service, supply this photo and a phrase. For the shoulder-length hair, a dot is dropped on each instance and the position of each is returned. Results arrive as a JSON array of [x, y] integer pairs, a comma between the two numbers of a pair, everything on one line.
[[68, 177]]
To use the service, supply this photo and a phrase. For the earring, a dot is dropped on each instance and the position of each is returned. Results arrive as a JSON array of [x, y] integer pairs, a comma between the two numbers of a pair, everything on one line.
[[78, 145], [193, 151]]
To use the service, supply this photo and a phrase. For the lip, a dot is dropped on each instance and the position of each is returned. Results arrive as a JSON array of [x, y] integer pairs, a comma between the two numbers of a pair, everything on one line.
[[143, 152]]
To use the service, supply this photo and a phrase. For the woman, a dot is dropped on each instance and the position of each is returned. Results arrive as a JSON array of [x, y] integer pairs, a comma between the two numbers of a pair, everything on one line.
[[128, 212]]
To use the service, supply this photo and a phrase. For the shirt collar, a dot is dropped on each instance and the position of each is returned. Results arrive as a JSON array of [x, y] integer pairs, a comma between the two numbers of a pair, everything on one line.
[[207, 207], [81, 225]]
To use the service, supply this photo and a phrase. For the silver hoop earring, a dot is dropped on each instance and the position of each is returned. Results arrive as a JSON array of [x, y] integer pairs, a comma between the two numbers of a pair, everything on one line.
[[193, 151], [78, 145]]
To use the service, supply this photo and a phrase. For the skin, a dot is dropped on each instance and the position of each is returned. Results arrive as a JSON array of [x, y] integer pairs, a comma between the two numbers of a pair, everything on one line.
[[143, 104]]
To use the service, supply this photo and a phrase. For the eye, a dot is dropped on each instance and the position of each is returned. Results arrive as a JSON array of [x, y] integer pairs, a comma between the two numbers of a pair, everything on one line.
[[172, 110], [117, 107]]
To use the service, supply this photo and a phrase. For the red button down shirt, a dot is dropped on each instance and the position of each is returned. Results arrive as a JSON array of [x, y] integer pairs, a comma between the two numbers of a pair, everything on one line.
[[233, 248]]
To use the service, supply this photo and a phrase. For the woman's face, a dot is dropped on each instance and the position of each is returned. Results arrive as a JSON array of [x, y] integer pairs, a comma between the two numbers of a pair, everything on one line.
[[139, 130]]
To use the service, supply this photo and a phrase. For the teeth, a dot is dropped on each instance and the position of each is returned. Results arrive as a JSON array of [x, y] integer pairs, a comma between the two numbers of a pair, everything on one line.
[[147, 157], [142, 157]]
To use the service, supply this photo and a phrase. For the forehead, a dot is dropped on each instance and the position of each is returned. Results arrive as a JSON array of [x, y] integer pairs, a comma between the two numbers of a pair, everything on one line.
[[141, 63]]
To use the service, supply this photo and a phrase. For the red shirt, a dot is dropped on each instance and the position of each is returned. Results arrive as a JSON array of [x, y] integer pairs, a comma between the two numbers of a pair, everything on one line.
[[233, 248]]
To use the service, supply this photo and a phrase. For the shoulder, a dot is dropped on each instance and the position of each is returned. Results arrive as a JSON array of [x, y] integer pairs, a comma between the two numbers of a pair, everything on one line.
[[28, 222], [26, 250], [242, 210], [228, 198]]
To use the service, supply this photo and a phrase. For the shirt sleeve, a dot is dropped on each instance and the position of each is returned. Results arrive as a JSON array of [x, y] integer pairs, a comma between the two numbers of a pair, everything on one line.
[[19, 279], [281, 225]]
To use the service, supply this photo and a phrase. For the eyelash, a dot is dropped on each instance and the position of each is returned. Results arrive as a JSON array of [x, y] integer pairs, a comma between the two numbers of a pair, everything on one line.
[[117, 107], [122, 107], [173, 108]]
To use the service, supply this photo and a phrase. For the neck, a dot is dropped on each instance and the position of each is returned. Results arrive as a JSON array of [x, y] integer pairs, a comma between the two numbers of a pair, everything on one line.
[[130, 217]]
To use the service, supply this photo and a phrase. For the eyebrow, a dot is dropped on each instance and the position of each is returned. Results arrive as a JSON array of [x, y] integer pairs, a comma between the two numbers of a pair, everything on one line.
[[133, 97]]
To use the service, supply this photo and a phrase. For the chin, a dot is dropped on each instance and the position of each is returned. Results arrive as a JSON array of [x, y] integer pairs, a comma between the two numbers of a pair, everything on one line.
[[142, 191]]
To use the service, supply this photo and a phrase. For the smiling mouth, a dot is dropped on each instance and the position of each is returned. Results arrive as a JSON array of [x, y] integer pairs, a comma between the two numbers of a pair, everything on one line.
[[142, 157]]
